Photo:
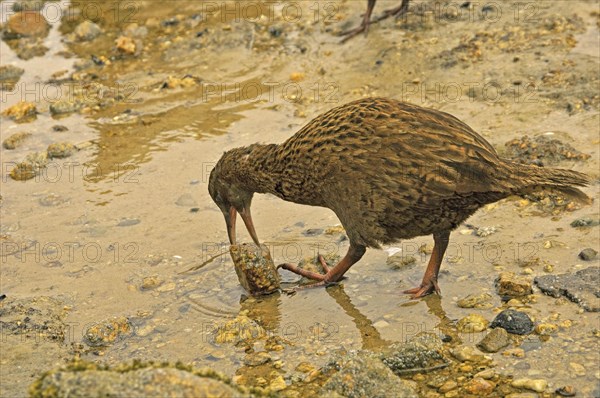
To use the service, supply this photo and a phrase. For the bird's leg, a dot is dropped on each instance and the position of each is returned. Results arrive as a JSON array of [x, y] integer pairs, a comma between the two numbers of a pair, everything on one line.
[[364, 26], [429, 283], [332, 275], [397, 12]]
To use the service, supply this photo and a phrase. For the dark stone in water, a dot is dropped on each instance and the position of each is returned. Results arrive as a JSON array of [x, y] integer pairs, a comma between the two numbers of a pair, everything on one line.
[[515, 322], [585, 222], [583, 287], [312, 232], [588, 254]]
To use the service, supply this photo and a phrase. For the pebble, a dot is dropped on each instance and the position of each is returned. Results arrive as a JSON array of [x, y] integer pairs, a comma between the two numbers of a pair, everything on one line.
[[151, 282], [15, 140], [585, 222], [537, 385], [127, 222], [60, 150], [566, 391], [494, 341], [305, 367], [62, 107], [381, 324], [515, 352], [588, 254], [167, 287], [87, 31], [448, 386], [186, 200], [476, 301], [545, 329], [9, 76], [577, 370], [479, 386], [27, 24], [466, 353], [472, 323], [510, 285], [400, 261], [257, 358], [486, 374], [312, 232], [125, 44], [52, 199], [21, 111], [277, 384], [513, 321]]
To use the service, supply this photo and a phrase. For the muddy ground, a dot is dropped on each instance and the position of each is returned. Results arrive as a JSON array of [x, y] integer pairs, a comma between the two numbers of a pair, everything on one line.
[[149, 94]]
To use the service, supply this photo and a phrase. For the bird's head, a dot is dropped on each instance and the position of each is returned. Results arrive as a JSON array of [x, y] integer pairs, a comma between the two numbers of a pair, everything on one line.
[[227, 190]]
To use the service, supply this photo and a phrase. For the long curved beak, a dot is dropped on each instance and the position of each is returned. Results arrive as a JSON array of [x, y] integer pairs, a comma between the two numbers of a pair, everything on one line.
[[230, 219]]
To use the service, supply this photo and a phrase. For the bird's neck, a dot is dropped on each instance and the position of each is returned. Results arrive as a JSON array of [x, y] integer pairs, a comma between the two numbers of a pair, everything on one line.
[[262, 169]]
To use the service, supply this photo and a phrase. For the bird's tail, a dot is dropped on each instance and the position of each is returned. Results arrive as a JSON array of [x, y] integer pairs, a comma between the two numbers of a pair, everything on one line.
[[534, 179]]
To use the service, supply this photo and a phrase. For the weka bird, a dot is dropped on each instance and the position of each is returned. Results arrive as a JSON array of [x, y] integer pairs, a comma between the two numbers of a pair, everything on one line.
[[364, 26], [389, 170]]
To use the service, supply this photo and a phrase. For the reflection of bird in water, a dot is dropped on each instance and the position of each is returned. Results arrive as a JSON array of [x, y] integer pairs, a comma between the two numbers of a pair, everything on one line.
[[364, 26], [389, 170]]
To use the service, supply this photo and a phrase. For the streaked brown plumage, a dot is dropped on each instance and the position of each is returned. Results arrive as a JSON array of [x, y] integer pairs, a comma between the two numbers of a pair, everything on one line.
[[364, 26], [389, 170]]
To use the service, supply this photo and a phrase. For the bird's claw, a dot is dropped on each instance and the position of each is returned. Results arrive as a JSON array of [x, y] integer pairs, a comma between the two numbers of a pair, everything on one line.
[[426, 288]]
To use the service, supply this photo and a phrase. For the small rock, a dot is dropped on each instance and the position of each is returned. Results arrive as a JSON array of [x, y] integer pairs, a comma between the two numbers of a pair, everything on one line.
[[59, 128], [566, 391], [515, 352], [479, 386], [399, 261], [186, 200], [87, 30], [257, 358], [312, 232], [305, 367], [52, 199], [466, 353], [545, 329], [494, 341], [472, 323], [363, 375], [128, 222], [21, 112], [26, 24], [15, 140], [577, 370], [485, 231], [448, 386], [513, 321], [585, 222], [62, 107], [425, 350], [30, 167], [482, 300], [9, 76], [151, 282], [537, 385], [297, 77], [486, 374], [582, 287], [125, 44], [277, 384], [167, 287], [588, 254], [510, 285], [107, 332], [60, 150]]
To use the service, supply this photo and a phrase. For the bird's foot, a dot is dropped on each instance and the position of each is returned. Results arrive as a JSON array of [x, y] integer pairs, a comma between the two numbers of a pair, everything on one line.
[[396, 12], [364, 27], [309, 274], [426, 288], [325, 279]]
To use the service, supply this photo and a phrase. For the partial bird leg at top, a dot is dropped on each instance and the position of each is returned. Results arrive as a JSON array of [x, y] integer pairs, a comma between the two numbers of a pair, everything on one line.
[[332, 275], [397, 12], [429, 283], [364, 26]]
